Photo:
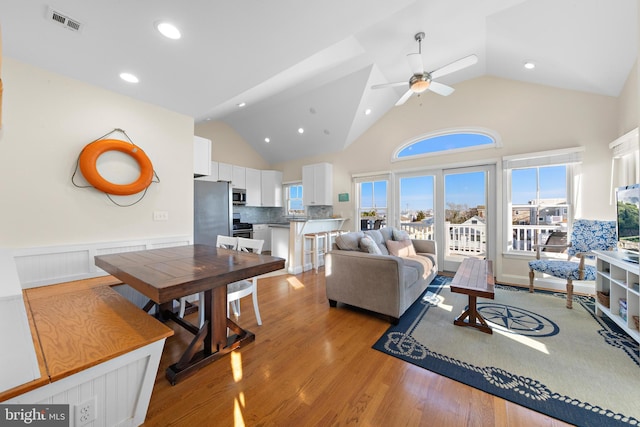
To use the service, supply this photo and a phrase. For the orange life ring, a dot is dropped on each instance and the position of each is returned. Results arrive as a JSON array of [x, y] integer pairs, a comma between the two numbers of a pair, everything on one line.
[[89, 157]]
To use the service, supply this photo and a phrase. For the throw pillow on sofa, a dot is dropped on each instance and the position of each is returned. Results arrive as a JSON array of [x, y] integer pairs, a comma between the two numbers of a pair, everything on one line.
[[400, 235], [401, 248], [368, 245], [376, 236], [349, 241]]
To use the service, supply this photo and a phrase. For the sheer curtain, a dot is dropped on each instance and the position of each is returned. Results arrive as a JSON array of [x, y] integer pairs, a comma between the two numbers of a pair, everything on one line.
[[625, 161]]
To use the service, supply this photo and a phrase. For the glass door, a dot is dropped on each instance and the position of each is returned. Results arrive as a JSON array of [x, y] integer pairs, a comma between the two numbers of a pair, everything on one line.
[[465, 215]]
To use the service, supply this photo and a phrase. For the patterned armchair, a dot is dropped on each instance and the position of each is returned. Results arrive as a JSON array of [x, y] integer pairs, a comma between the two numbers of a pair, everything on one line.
[[586, 236]]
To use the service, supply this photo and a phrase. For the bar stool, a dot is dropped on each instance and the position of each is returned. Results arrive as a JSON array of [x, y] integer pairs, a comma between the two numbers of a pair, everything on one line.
[[331, 237], [317, 248]]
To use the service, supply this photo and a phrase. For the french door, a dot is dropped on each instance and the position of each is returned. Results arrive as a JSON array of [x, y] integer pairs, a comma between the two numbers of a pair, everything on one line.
[[454, 207], [467, 215]]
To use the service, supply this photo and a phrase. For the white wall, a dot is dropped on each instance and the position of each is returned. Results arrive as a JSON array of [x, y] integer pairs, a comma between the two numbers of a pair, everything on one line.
[[47, 120]]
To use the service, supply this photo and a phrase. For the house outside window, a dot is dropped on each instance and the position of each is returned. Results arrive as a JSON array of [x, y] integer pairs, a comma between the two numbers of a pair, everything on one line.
[[541, 197]]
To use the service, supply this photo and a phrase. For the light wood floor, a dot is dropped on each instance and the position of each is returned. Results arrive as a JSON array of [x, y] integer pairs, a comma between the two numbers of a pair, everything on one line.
[[313, 365]]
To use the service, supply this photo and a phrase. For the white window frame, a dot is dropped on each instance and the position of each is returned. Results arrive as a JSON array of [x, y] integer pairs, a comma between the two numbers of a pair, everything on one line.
[[497, 142], [287, 200], [373, 178], [571, 158]]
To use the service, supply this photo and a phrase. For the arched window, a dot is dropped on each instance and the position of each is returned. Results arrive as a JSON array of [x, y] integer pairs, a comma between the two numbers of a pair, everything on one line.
[[447, 141]]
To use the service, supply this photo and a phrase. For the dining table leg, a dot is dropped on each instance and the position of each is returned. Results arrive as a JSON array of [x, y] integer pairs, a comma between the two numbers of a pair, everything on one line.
[[210, 342]]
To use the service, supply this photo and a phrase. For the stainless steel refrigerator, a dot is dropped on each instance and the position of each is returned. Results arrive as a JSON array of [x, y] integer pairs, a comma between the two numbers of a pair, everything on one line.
[[213, 211]]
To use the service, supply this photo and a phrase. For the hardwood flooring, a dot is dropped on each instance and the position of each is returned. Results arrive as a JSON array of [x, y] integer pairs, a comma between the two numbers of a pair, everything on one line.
[[313, 365]]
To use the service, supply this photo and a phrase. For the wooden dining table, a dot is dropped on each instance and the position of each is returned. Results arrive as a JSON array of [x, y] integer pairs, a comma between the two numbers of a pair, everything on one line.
[[167, 274]]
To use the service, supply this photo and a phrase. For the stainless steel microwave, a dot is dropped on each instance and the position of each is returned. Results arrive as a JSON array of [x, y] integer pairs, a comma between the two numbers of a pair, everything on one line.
[[239, 196]]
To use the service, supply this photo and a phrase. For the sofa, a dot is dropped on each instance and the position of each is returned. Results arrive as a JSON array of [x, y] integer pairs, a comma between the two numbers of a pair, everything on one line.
[[383, 271]]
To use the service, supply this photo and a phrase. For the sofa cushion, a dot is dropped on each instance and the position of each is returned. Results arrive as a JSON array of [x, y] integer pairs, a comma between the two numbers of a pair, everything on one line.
[[349, 241], [402, 248], [368, 245], [400, 234], [376, 235], [387, 233], [423, 264]]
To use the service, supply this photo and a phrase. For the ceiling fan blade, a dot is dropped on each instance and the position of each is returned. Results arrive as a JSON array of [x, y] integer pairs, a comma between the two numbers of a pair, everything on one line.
[[384, 85], [441, 89], [404, 97], [415, 63], [461, 63]]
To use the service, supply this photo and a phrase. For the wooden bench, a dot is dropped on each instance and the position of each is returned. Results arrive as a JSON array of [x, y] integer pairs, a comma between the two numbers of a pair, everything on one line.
[[475, 279], [80, 324]]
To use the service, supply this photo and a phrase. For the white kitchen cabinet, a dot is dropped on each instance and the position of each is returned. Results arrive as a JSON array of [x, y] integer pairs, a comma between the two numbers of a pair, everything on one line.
[[239, 178], [225, 172], [317, 184], [201, 156], [213, 176], [253, 179], [271, 182], [263, 232]]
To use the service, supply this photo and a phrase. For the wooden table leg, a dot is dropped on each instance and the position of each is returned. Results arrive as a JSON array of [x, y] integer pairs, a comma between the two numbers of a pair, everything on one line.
[[475, 319], [210, 343]]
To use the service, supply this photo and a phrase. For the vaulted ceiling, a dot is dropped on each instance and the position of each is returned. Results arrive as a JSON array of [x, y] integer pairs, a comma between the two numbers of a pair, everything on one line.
[[297, 64]]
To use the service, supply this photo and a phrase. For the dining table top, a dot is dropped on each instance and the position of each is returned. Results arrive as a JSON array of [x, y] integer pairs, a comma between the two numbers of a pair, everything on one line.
[[170, 273]]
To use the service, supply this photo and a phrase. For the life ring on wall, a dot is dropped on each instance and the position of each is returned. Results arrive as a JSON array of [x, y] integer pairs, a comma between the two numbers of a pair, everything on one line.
[[88, 166]]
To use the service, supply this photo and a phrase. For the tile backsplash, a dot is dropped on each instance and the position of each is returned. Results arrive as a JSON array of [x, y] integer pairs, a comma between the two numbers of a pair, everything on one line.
[[257, 215]]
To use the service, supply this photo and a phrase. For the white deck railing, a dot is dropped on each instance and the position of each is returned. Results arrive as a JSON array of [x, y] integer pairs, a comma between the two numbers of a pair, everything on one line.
[[471, 239]]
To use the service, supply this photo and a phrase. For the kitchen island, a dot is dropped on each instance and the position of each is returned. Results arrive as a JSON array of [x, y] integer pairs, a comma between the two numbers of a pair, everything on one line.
[[287, 240]]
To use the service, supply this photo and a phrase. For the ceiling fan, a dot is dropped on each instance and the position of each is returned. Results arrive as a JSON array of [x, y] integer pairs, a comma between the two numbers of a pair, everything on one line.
[[422, 80]]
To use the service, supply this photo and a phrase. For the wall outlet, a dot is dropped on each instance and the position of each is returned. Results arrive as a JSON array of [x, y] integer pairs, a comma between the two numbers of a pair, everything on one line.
[[161, 216], [85, 412]]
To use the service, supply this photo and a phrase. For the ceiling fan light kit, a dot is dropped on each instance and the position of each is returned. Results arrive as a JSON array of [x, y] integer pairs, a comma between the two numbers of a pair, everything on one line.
[[421, 80]]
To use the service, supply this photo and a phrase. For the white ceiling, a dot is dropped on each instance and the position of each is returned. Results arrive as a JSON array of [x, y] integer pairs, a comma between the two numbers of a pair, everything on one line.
[[311, 64]]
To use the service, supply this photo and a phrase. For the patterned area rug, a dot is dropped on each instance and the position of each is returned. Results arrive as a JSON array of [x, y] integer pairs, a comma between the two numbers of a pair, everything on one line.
[[568, 364]]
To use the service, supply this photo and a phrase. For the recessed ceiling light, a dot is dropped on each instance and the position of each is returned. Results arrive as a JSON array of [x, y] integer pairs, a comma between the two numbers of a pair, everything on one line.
[[367, 111], [168, 30], [300, 130], [128, 77], [267, 140], [241, 104], [529, 65]]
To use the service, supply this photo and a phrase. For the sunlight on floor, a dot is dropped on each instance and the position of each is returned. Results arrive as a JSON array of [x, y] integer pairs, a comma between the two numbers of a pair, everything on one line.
[[295, 283], [536, 345], [236, 365], [436, 300], [238, 406]]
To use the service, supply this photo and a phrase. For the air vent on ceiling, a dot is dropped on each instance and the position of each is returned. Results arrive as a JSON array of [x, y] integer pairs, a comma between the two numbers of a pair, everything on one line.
[[63, 20]]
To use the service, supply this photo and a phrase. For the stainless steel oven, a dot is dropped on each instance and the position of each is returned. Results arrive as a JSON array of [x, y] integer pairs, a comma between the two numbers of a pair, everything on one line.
[[245, 233], [241, 229]]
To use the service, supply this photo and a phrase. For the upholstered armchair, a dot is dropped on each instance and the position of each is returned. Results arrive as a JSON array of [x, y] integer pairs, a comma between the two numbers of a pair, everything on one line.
[[586, 237]]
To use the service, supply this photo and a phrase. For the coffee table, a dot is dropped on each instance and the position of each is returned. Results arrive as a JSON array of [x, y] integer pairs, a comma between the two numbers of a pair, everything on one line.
[[475, 279]]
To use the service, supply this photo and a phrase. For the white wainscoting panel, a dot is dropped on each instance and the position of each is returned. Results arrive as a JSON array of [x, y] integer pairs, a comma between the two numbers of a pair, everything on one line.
[[43, 266], [122, 388]]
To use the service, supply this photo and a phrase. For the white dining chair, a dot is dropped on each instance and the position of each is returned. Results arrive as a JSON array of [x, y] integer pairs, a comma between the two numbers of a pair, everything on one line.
[[243, 288], [225, 242]]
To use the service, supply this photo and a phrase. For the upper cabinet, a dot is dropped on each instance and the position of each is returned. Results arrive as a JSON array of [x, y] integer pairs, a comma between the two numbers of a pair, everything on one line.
[[225, 172], [239, 177], [271, 182], [317, 184], [201, 156], [254, 188]]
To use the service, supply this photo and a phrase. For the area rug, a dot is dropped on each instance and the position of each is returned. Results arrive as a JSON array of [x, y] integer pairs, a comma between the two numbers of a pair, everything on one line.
[[569, 364]]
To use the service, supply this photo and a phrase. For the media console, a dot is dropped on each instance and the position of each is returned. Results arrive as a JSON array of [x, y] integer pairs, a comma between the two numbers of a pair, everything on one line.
[[619, 277]]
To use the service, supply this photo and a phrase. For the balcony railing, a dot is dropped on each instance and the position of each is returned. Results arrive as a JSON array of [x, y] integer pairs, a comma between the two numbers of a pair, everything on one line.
[[470, 239]]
